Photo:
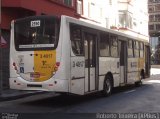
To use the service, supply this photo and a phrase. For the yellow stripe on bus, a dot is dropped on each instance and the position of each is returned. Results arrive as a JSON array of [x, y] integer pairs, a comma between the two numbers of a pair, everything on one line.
[[44, 62], [140, 65]]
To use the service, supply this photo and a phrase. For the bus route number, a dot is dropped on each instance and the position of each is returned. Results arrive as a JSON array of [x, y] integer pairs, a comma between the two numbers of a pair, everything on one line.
[[46, 56], [35, 23]]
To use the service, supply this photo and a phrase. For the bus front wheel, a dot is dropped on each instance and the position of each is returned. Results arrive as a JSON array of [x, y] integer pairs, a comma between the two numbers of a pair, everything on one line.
[[107, 86]]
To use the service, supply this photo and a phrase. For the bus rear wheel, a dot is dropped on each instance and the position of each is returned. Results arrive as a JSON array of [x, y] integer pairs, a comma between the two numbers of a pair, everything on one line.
[[107, 89], [139, 83]]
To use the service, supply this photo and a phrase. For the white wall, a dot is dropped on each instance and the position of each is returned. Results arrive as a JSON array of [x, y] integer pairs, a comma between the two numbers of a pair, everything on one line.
[[106, 13], [139, 12], [102, 11]]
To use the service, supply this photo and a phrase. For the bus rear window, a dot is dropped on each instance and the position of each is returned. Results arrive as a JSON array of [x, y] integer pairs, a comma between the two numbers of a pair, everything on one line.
[[36, 33]]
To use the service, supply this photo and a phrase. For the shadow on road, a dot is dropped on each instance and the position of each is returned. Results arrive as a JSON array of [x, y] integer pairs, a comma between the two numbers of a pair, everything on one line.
[[72, 100]]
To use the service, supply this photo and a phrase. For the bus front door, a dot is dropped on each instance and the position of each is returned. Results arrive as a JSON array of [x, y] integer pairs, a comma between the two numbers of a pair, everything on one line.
[[123, 62], [90, 61]]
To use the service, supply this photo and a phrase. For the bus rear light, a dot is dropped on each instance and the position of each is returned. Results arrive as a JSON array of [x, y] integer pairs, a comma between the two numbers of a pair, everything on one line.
[[15, 66], [57, 64]]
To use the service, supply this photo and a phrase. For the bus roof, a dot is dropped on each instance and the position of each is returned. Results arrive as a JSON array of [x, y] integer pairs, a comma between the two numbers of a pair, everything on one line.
[[98, 27]]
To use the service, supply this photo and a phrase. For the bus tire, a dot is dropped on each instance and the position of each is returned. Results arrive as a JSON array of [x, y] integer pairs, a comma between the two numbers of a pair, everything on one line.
[[138, 83], [107, 87], [142, 76]]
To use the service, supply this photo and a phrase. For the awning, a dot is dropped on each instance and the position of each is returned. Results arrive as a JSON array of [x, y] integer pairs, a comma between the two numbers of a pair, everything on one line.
[[3, 43]]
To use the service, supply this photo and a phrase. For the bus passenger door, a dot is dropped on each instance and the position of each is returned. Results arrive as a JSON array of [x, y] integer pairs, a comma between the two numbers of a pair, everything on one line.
[[147, 61], [123, 62], [90, 61]]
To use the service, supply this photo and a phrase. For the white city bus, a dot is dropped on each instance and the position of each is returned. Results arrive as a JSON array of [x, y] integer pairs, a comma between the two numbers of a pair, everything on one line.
[[64, 54]]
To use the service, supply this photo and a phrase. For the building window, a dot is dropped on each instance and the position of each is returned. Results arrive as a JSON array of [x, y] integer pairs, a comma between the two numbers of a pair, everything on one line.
[[122, 19], [151, 18], [157, 17], [125, 19], [151, 27], [79, 7], [65, 2], [157, 0], [68, 2], [150, 1], [151, 8], [157, 26], [157, 7]]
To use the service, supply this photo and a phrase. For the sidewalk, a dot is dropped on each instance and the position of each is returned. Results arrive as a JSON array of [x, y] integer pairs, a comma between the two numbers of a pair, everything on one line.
[[155, 71], [11, 94]]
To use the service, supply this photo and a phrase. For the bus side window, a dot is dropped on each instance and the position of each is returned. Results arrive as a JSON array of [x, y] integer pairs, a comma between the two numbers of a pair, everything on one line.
[[130, 48], [114, 46], [136, 48], [141, 47], [104, 45], [76, 40]]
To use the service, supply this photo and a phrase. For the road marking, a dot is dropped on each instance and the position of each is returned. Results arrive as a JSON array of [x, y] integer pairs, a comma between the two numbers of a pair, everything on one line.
[[154, 81], [130, 91]]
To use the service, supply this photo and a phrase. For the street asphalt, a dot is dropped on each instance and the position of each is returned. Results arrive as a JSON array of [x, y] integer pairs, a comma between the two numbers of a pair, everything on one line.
[[10, 94]]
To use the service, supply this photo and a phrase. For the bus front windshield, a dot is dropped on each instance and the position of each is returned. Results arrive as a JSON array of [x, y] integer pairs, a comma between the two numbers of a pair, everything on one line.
[[36, 33]]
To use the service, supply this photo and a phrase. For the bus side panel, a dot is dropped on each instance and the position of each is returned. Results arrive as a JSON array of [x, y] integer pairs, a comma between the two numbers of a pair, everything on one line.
[[77, 75], [141, 66], [115, 70], [132, 70], [104, 67], [13, 72], [63, 55], [107, 65]]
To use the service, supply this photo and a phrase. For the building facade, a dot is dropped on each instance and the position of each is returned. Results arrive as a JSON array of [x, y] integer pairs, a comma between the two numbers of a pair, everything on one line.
[[133, 18], [128, 16], [154, 30]]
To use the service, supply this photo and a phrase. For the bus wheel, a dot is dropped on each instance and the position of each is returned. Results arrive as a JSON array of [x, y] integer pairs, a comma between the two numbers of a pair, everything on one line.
[[142, 76], [107, 86], [139, 83]]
